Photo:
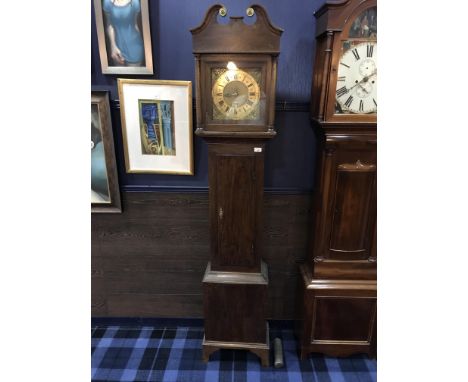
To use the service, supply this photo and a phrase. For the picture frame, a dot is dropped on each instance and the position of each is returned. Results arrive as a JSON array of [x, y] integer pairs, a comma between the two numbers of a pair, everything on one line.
[[105, 195], [156, 118], [123, 50]]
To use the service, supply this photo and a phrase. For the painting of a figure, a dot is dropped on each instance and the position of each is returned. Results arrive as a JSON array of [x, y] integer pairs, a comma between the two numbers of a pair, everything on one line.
[[157, 127], [99, 183], [123, 32], [124, 36]]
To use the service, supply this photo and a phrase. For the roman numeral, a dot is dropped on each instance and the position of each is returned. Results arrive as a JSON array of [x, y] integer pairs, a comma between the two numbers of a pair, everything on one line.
[[249, 85], [249, 102], [375, 103], [252, 94], [227, 78], [221, 103], [349, 101], [227, 109], [235, 111], [356, 54], [370, 50], [245, 109], [342, 63], [219, 94], [341, 91], [361, 105], [342, 78]]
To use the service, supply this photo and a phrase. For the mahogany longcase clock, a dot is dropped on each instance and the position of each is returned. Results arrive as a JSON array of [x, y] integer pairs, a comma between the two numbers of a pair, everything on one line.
[[338, 284], [235, 98]]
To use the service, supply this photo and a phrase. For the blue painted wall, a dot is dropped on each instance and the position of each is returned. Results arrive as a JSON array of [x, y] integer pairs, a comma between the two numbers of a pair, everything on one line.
[[290, 157]]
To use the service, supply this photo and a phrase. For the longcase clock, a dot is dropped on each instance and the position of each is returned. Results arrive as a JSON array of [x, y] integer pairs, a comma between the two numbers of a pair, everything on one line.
[[338, 284], [235, 65]]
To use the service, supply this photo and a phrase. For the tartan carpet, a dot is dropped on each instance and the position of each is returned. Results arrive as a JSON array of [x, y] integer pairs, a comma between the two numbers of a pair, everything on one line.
[[173, 354]]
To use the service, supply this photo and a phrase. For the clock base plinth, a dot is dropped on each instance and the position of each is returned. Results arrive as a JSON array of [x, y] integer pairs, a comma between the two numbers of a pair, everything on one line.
[[338, 317], [262, 350], [235, 312]]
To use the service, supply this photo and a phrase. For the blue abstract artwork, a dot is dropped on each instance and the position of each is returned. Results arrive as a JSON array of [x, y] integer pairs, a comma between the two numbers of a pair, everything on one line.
[[157, 127]]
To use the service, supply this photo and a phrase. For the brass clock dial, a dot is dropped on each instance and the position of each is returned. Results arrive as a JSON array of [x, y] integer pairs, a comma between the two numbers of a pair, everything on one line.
[[236, 94]]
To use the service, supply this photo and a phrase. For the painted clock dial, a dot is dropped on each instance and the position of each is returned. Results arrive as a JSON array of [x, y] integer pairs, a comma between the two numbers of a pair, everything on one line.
[[236, 95], [356, 85], [356, 90]]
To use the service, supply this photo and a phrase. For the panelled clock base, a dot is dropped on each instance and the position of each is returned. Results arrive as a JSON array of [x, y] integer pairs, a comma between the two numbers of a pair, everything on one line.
[[338, 317], [228, 326]]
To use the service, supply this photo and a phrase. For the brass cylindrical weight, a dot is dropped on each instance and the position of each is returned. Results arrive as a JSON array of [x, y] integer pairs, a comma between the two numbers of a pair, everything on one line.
[[278, 346]]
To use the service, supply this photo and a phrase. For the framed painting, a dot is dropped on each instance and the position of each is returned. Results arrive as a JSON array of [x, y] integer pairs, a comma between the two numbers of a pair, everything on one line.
[[124, 37], [157, 126], [105, 195]]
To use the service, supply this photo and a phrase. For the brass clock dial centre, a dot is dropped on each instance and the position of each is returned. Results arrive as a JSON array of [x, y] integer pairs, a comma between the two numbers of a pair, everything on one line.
[[236, 94]]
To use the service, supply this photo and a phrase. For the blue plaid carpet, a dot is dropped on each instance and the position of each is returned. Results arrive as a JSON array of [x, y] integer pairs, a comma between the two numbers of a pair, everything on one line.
[[173, 354]]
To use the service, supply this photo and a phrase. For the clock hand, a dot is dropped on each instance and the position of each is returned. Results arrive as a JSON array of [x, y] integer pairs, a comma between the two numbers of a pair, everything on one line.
[[363, 88], [231, 94], [367, 78], [364, 79]]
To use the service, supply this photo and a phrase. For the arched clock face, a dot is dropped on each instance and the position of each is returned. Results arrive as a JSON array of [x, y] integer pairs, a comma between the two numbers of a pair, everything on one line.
[[236, 94], [356, 87]]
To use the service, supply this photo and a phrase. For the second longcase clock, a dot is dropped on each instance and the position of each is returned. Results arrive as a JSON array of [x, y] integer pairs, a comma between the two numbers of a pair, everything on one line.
[[235, 98], [338, 288]]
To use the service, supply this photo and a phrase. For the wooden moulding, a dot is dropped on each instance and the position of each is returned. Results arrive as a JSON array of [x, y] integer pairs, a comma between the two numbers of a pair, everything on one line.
[[262, 350], [311, 283], [236, 277], [236, 134], [236, 36]]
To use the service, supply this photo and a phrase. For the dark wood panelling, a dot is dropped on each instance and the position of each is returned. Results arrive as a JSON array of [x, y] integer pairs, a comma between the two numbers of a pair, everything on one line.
[[343, 318], [352, 203], [153, 305], [149, 261]]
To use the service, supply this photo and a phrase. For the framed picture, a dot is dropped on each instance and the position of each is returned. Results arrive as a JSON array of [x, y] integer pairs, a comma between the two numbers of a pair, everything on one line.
[[124, 36], [105, 196], [157, 126]]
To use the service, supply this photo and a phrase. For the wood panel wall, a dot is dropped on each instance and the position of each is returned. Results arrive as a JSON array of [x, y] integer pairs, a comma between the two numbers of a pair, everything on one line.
[[149, 261]]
